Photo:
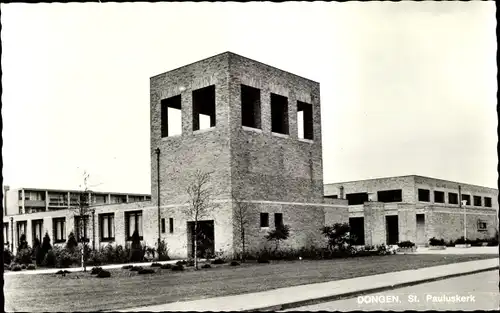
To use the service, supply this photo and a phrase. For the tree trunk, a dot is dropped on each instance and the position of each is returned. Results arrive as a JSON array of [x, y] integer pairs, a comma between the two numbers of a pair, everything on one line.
[[243, 244], [195, 245]]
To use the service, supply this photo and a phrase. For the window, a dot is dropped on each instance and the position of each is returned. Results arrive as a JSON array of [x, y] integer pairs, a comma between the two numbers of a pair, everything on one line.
[[204, 108], [133, 222], [466, 198], [452, 198], [21, 230], [332, 197], [264, 219], [279, 114], [100, 199], [356, 198], [278, 220], [250, 107], [171, 116], [357, 230], [20, 195], [487, 202], [171, 225], [107, 227], [424, 195], [477, 201], [390, 195], [481, 225], [305, 120], [6, 233], [163, 225], [438, 196], [81, 228], [59, 228], [37, 228]]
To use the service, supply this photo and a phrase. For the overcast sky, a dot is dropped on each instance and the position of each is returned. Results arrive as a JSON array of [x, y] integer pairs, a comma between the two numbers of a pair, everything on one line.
[[406, 88]]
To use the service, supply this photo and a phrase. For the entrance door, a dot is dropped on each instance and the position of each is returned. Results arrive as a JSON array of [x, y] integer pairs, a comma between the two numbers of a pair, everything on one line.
[[206, 244], [421, 240], [392, 231]]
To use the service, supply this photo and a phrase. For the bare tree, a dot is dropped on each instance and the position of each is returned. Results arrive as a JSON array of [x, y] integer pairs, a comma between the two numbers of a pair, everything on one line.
[[82, 213], [199, 204], [241, 220]]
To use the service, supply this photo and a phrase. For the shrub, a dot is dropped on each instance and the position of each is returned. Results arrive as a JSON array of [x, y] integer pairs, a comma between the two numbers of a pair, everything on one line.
[[436, 242], [263, 260], [103, 274], [382, 249], [7, 256], [162, 250], [189, 263], [65, 257], [206, 265], [218, 261], [146, 271], [369, 247], [155, 264], [31, 267], [23, 267], [36, 247], [150, 253], [183, 262], [177, 268], [405, 244], [234, 263], [166, 266], [280, 233], [450, 243], [44, 249], [23, 256], [96, 270], [23, 244], [460, 241], [95, 258], [49, 259], [127, 267], [63, 272], [136, 268], [493, 241], [71, 243], [338, 236], [15, 268], [137, 251]]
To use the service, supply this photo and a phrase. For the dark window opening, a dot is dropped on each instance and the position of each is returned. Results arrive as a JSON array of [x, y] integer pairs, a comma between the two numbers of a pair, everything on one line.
[[305, 120], [21, 230], [59, 229], [264, 219], [163, 228], [171, 225], [481, 226], [438, 196], [452, 198], [250, 107], [466, 198], [279, 114], [278, 220], [204, 108], [81, 228], [477, 201], [487, 202], [424, 195], [37, 229], [390, 195], [332, 197], [133, 222], [171, 116], [107, 227], [357, 198], [357, 230]]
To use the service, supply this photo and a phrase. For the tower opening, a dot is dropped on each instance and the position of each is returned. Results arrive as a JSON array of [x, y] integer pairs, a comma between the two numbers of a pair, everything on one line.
[[204, 108], [279, 114]]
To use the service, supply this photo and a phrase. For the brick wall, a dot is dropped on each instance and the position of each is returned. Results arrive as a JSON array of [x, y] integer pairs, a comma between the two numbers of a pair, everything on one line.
[[375, 228]]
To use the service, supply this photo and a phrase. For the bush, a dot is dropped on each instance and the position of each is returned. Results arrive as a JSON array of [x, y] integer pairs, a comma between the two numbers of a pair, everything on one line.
[[71, 243], [234, 263], [136, 268], [263, 260], [121, 254], [137, 251], [436, 242], [218, 261], [155, 264], [23, 267], [493, 241], [189, 263], [7, 256], [96, 270], [23, 256], [460, 241], [206, 265], [31, 267], [177, 268], [15, 268], [382, 249], [166, 266], [127, 267], [65, 257], [405, 244], [183, 262], [62, 272], [162, 251], [338, 236], [44, 249], [95, 258], [280, 233], [23, 244], [49, 259], [146, 271], [103, 274]]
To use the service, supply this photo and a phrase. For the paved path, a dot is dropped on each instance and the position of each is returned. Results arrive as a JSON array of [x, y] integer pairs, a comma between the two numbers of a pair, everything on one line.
[[453, 250], [284, 298], [475, 292]]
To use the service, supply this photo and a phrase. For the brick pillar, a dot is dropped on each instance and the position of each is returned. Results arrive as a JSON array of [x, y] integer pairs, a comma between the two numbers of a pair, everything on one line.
[[375, 233], [407, 222]]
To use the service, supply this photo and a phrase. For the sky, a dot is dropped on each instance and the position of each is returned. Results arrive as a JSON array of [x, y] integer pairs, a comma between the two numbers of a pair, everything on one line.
[[406, 87]]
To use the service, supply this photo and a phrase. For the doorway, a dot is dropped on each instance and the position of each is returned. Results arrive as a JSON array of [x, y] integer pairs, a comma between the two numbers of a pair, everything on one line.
[[392, 231], [205, 238], [421, 240]]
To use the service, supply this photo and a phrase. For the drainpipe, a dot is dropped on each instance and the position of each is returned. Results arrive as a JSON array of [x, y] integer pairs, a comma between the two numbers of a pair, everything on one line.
[[12, 234], [157, 151], [93, 229]]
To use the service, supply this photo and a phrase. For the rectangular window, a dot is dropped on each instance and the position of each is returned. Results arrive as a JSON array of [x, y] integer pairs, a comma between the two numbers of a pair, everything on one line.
[[107, 227], [20, 195], [100, 199], [477, 201], [424, 195], [487, 202], [332, 197], [390, 195], [466, 198], [452, 198], [21, 230], [59, 228], [171, 116], [37, 229], [305, 120], [171, 225], [163, 225], [250, 107], [356, 198], [264, 219], [357, 230], [6, 233], [279, 114], [204, 108], [438, 196], [278, 220], [81, 224], [133, 222], [481, 226]]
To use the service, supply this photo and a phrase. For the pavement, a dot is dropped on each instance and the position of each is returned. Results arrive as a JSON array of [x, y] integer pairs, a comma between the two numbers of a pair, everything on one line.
[[298, 296], [453, 250]]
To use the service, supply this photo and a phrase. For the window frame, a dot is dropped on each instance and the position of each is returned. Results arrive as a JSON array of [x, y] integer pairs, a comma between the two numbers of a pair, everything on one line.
[[128, 214], [111, 227], [171, 225], [55, 222], [419, 193], [266, 215], [278, 220]]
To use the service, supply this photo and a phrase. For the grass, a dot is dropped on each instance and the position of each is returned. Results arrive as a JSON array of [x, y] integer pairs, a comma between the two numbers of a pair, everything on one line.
[[125, 289]]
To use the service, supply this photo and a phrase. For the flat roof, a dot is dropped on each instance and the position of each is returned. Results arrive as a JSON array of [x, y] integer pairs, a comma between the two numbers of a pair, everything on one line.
[[80, 191]]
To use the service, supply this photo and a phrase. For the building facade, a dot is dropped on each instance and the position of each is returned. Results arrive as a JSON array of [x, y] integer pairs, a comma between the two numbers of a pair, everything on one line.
[[256, 128], [416, 208]]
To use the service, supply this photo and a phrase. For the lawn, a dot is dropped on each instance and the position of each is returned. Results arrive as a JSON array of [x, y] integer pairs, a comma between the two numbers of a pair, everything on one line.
[[50, 292]]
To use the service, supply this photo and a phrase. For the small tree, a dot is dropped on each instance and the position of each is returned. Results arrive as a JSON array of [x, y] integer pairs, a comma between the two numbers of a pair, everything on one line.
[[23, 244], [36, 247], [338, 236], [241, 219], [44, 248], [136, 252], [71, 244], [199, 204], [280, 233]]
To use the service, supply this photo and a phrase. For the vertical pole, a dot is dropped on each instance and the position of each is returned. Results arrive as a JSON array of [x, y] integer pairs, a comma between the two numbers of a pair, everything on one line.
[[12, 234], [157, 151]]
